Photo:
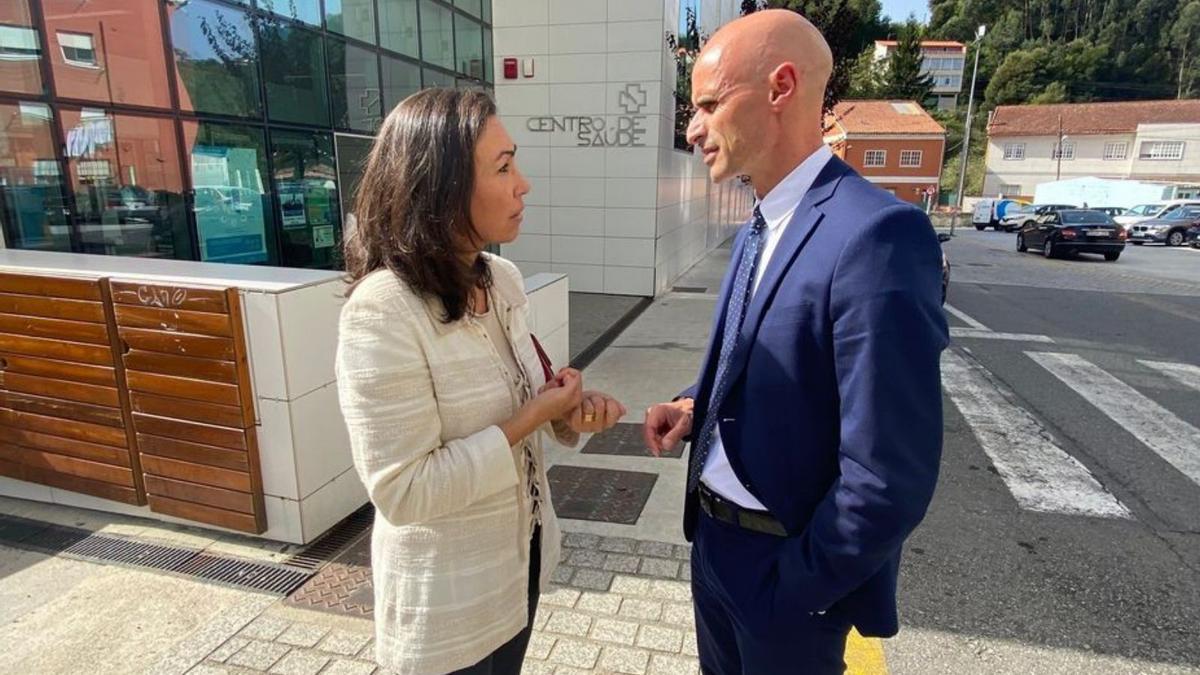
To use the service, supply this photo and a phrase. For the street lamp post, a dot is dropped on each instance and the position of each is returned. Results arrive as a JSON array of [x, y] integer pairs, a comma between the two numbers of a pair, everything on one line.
[[962, 169]]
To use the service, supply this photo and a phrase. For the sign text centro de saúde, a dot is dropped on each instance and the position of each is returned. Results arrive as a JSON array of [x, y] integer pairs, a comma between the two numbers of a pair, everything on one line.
[[595, 131]]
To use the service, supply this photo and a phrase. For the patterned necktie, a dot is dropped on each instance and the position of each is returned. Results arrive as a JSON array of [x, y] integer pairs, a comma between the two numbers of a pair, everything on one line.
[[739, 297]]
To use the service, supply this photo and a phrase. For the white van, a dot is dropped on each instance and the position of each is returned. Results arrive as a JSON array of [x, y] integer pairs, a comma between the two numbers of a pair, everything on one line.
[[1153, 210]]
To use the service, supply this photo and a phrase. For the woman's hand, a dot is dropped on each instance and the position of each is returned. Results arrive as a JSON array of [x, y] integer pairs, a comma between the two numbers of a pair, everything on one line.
[[558, 397], [597, 412]]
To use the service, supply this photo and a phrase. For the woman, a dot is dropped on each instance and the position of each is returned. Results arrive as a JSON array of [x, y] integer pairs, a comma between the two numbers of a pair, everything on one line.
[[443, 392]]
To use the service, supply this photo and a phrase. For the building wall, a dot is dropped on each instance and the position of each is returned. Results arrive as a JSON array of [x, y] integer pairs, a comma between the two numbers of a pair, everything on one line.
[[1186, 169], [625, 216], [1039, 165], [907, 183]]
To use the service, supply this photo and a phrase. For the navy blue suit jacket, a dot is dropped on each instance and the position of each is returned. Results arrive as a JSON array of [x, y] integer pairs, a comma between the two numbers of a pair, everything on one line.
[[833, 416]]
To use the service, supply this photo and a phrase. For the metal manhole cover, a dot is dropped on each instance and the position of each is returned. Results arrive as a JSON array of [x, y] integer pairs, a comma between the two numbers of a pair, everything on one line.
[[624, 439], [604, 495], [338, 589]]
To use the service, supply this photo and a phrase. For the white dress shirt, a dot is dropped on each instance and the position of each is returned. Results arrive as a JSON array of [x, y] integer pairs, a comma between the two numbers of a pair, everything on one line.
[[777, 207]]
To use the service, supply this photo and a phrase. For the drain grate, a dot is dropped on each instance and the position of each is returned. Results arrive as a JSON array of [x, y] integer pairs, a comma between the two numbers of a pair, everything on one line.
[[245, 574], [344, 533], [689, 289], [85, 545]]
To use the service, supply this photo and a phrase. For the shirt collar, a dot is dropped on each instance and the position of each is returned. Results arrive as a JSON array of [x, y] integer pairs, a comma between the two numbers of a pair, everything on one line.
[[782, 200]]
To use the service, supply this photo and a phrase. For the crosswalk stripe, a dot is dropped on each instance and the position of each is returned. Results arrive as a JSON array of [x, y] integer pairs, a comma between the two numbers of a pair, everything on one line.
[[1171, 438], [956, 332], [1040, 475], [1184, 373], [962, 316]]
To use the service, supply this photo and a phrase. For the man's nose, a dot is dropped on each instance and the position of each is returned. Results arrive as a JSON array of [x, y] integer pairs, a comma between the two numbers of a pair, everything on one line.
[[695, 129]]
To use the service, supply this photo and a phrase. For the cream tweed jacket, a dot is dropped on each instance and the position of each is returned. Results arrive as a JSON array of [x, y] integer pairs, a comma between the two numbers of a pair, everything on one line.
[[422, 400]]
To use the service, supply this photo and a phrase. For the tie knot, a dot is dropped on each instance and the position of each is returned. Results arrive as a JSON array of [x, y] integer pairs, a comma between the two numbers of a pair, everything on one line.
[[759, 223]]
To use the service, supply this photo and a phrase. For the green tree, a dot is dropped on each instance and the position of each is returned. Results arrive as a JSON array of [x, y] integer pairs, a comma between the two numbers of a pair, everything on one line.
[[866, 76], [904, 78], [1185, 38]]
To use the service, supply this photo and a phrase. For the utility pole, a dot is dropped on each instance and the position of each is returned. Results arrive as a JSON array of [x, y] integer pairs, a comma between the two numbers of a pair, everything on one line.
[[962, 169], [1059, 151]]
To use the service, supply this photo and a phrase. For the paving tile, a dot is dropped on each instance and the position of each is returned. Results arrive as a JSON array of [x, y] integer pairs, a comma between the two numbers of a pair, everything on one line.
[[540, 617], [368, 650], [231, 646], [655, 567], [300, 663], [302, 635], [631, 586], [586, 558], [567, 670], [562, 574], [580, 540], [636, 608], [624, 660], [575, 653], [531, 667], [207, 669], [621, 562], [349, 667], [569, 623], [660, 638], [689, 644], [675, 591], [678, 614], [657, 549], [618, 545], [685, 572], [265, 628], [258, 655], [561, 597], [599, 603], [540, 645], [661, 664], [615, 631], [683, 552], [344, 642], [597, 580]]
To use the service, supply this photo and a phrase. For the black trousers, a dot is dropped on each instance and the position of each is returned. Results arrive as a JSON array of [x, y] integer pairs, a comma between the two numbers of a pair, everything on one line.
[[508, 657]]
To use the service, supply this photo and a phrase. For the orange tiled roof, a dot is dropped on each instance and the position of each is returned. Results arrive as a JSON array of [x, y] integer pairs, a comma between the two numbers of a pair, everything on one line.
[[881, 117], [1082, 119]]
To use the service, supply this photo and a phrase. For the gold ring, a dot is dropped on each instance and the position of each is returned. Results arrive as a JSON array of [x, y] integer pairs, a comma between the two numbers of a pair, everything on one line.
[[589, 417]]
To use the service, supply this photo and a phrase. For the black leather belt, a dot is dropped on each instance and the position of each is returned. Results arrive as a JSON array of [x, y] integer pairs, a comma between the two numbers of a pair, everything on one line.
[[726, 511]]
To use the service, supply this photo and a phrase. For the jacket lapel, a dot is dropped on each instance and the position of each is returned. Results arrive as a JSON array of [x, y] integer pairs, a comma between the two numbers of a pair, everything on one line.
[[796, 233]]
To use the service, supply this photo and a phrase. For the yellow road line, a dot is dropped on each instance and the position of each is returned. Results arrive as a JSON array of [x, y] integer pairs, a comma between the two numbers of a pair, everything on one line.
[[864, 656]]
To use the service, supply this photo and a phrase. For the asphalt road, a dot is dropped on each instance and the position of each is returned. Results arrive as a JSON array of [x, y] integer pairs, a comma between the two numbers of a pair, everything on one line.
[[1065, 534]]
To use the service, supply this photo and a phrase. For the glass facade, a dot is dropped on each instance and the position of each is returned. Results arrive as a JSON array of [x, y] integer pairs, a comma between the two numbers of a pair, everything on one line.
[[219, 130]]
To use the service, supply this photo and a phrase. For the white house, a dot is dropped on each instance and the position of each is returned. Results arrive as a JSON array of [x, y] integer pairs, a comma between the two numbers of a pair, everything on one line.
[[942, 60], [1156, 141]]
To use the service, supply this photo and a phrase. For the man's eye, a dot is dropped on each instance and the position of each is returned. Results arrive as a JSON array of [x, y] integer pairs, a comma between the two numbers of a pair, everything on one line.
[[504, 169]]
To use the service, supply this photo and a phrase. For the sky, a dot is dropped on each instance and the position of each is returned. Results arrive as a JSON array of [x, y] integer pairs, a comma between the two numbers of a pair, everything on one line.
[[900, 9]]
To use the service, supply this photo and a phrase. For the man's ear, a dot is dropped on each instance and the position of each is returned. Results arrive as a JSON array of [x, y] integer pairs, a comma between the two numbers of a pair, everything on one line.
[[783, 82]]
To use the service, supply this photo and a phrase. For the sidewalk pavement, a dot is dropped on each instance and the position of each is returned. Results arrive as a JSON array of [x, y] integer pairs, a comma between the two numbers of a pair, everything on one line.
[[621, 601]]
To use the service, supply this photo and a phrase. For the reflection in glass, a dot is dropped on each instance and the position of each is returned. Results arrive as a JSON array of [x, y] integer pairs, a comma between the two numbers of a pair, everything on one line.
[[216, 60], [294, 69], [352, 18], [308, 11], [306, 184], [437, 35], [401, 79], [488, 60], [468, 41], [352, 154], [108, 51], [487, 11], [19, 49], [398, 26], [128, 189], [31, 198], [230, 203], [434, 78], [354, 86]]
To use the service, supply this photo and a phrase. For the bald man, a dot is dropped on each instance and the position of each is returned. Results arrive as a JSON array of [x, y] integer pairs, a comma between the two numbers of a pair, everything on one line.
[[816, 421]]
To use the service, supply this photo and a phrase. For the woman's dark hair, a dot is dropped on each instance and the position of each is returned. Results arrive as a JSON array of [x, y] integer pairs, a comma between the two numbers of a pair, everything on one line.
[[412, 208]]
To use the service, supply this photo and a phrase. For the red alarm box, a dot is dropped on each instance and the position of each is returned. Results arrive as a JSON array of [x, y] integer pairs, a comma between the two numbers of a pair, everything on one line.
[[510, 69]]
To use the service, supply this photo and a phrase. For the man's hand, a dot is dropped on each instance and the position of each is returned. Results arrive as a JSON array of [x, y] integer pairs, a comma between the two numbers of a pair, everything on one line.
[[667, 424]]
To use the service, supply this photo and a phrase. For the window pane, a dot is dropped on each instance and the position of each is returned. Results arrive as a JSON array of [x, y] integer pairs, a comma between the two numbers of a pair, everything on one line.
[[488, 59], [468, 40], [472, 7], [433, 78], [19, 49], [487, 11], [31, 199], [437, 35], [216, 59], [306, 183], [125, 173], [294, 68], [401, 79], [352, 18], [352, 154], [354, 86], [230, 203], [308, 11], [109, 51], [398, 26]]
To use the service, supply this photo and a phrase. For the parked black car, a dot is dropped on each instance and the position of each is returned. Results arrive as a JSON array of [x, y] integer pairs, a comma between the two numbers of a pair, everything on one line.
[[1171, 229], [943, 238], [1193, 236], [1073, 231]]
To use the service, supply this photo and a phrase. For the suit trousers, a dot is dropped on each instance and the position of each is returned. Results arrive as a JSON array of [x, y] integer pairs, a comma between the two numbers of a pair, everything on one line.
[[742, 626]]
